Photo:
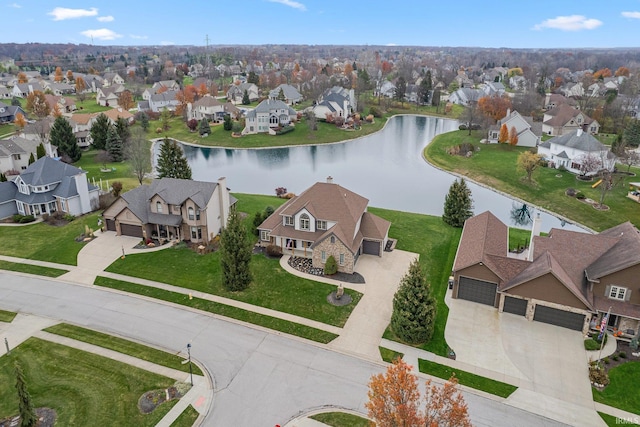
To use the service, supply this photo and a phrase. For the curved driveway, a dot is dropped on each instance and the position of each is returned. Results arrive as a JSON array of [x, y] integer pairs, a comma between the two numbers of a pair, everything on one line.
[[261, 378]]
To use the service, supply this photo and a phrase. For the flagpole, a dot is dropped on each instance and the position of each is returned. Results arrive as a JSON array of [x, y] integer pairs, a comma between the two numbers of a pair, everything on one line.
[[603, 333]]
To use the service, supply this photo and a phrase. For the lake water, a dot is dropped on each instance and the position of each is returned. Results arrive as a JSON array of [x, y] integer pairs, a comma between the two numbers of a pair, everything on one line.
[[386, 167]]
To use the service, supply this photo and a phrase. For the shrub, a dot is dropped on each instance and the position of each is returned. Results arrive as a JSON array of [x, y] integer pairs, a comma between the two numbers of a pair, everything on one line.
[[598, 375], [375, 112], [116, 188], [45, 217], [268, 211], [281, 191], [622, 355], [26, 219], [69, 217], [562, 169], [606, 360], [274, 251], [615, 358], [571, 192], [330, 267], [158, 130], [580, 195], [284, 130], [462, 127]]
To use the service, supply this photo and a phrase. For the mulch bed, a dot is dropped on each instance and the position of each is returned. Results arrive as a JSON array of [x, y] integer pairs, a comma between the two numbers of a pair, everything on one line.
[[149, 401], [46, 418], [622, 346], [305, 265]]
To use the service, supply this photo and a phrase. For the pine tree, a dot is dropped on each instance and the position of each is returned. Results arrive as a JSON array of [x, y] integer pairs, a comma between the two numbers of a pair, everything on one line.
[[26, 410], [99, 131], [424, 90], [204, 127], [281, 96], [414, 308], [631, 135], [32, 158], [114, 145], [172, 163], [245, 98], [458, 204], [227, 125], [40, 151], [122, 127], [235, 254], [143, 118], [3, 177], [61, 135]]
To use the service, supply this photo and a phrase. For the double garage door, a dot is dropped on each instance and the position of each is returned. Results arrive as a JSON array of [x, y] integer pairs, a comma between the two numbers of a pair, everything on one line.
[[557, 317], [131, 230], [477, 290]]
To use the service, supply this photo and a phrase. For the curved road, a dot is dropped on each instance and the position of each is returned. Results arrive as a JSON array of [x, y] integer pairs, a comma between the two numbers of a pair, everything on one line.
[[261, 378]]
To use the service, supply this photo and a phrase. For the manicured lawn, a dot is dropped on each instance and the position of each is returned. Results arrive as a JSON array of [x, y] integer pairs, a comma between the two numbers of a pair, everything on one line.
[[119, 171], [623, 392], [466, 378], [221, 309], [187, 418], [45, 242], [341, 419], [83, 388], [7, 316], [31, 269], [124, 346], [495, 165], [615, 422], [518, 237], [6, 130], [389, 355], [436, 243], [89, 105]]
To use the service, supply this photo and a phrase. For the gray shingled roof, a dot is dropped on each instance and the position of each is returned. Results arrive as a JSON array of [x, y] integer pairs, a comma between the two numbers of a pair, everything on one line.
[[289, 91], [67, 188], [48, 171], [8, 191], [578, 139]]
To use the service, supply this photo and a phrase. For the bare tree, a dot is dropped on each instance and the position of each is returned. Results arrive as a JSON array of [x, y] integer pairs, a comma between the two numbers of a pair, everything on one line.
[[139, 154], [589, 163]]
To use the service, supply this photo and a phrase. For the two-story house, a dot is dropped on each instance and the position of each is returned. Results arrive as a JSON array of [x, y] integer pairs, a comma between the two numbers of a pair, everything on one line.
[[267, 116], [47, 186], [108, 96], [527, 130], [207, 107], [286, 93], [171, 208], [336, 101], [16, 151], [235, 93], [564, 119], [164, 100], [574, 150], [326, 220]]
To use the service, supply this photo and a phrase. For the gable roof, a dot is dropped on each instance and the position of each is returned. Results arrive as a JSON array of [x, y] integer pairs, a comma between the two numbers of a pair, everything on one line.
[[207, 101], [580, 140], [289, 92], [46, 170], [563, 113], [623, 254], [482, 235]]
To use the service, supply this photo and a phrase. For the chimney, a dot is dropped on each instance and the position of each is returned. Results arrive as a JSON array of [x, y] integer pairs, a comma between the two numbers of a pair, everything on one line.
[[508, 112], [579, 133], [535, 231], [329, 179]]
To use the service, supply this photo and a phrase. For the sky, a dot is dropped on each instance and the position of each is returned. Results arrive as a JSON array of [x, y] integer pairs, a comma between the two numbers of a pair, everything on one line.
[[461, 23]]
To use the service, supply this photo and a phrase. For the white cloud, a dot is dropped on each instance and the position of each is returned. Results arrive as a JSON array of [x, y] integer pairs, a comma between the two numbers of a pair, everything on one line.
[[391, 44], [634, 15], [290, 3], [107, 18], [166, 43], [14, 5], [62, 13], [569, 23], [101, 34], [137, 37]]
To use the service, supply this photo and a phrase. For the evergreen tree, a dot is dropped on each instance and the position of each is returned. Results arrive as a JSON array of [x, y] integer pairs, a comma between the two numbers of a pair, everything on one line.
[[401, 89], [458, 204], [122, 127], [40, 151], [99, 131], [61, 135], [245, 98], [32, 158], [424, 90], [143, 118], [26, 410], [253, 78], [204, 127], [227, 125], [235, 254], [631, 135], [281, 96], [172, 163], [3, 177], [114, 145], [414, 307]]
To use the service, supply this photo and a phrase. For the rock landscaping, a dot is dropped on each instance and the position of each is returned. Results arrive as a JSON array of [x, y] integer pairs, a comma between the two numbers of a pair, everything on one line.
[[305, 265]]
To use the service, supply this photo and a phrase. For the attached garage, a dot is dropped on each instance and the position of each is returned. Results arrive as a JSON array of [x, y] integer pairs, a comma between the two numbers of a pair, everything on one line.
[[371, 247], [515, 306], [477, 290], [554, 316], [111, 224], [131, 230]]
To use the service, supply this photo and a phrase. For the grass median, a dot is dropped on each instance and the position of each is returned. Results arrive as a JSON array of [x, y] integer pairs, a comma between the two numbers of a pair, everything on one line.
[[220, 309], [341, 419], [7, 316], [31, 269]]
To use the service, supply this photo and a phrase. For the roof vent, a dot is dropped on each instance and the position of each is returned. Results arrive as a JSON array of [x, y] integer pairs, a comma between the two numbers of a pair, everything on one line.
[[329, 179]]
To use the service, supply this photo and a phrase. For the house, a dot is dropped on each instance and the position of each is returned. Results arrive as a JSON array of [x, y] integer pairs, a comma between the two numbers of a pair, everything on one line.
[[166, 84], [171, 208], [565, 119], [517, 82], [337, 101], [81, 125], [111, 79], [465, 96], [574, 149], [5, 93], [492, 88], [463, 80], [528, 131], [290, 93], [235, 93], [385, 88], [207, 107], [8, 112], [569, 279], [553, 100], [164, 100], [16, 151], [47, 186], [115, 113], [108, 96], [572, 89], [58, 89], [267, 116], [326, 220], [22, 90], [65, 104]]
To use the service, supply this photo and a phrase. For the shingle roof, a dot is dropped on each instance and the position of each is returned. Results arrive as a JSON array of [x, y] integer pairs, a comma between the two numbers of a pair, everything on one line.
[[207, 101], [482, 235], [289, 92], [578, 139], [624, 253], [561, 115], [46, 170], [8, 191]]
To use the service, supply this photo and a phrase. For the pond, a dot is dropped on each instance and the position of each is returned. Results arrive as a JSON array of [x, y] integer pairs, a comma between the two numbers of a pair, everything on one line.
[[386, 167]]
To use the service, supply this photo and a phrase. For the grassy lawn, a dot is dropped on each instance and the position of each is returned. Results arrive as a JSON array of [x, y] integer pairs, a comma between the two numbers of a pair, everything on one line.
[[221, 309], [31, 269], [436, 243], [6, 130], [187, 418], [119, 171], [518, 237], [389, 355], [341, 419], [623, 392], [612, 421], [124, 346], [83, 388], [44, 242], [7, 316], [495, 165], [466, 378], [89, 105]]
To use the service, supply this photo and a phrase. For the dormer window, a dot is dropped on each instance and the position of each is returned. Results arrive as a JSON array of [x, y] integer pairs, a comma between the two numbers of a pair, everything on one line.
[[304, 222], [158, 207], [288, 220], [321, 225]]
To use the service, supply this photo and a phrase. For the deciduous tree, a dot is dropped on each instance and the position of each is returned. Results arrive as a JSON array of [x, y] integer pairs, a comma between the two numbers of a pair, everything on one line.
[[69, 76], [445, 406], [26, 410], [513, 136], [99, 131], [494, 107], [125, 100], [192, 125], [22, 78], [202, 90], [20, 121], [622, 71], [138, 154], [80, 88], [458, 204], [37, 104], [528, 162], [57, 76], [61, 136], [503, 136], [235, 254], [172, 163]]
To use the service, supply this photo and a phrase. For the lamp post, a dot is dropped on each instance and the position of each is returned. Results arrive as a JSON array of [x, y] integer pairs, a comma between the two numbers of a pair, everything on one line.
[[190, 370]]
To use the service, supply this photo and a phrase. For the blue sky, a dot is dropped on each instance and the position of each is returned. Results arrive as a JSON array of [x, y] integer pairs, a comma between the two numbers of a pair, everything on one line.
[[516, 24]]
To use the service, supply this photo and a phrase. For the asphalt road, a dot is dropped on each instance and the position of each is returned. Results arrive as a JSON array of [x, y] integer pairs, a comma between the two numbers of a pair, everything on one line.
[[261, 378]]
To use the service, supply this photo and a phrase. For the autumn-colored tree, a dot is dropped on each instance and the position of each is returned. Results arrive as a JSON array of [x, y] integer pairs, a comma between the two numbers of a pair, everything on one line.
[[184, 97], [20, 121], [131, 75], [348, 69], [557, 82], [37, 104], [22, 78], [528, 162], [57, 76], [56, 110], [622, 71], [125, 100], [513, 136], [494, 107], [394, 397], [386, 67], [213, 89], [80, 87], [602, 73], [445, 406], [202, 90], [504, 134], [69, 75]]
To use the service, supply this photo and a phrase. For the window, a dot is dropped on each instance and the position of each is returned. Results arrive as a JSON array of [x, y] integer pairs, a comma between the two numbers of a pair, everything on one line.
[[158, 207], [265, 235], [16, 157], [191, 215], [288, 220], [341, 259], [321, 225], [304, 222], [323, 254], [333, 239], [198, 214], [617, 292], [196, 233]]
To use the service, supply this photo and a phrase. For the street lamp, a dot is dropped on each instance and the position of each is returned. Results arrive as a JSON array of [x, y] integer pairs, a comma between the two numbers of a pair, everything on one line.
[[190, 370]]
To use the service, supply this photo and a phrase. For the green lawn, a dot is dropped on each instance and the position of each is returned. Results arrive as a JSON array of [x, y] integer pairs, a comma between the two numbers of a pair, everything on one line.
[[44, 242], [615, 422], [124, 346], [221, 309], [389, 355], [467, 378], [341, 419], [89, 105], [623, 391], [495, 165], [187, 418], [31, 269], [119, 171], [518, 237], [436, 243], [7, 316], [83, 388], [6, 130]]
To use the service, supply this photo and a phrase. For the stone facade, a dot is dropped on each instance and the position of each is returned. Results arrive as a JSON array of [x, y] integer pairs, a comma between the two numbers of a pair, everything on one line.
[[334, 249]]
